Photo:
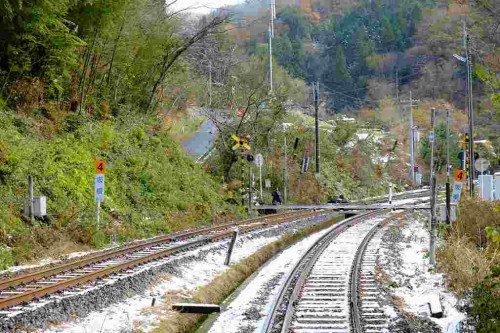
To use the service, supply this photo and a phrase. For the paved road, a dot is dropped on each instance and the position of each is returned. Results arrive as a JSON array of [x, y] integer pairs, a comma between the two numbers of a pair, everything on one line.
[[200, 143]]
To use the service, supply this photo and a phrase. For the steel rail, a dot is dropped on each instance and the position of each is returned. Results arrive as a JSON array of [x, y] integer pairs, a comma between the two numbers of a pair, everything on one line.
[[355, 275], [247, 226], [301, 270], [71, 282], [25, 278], [397, 196]]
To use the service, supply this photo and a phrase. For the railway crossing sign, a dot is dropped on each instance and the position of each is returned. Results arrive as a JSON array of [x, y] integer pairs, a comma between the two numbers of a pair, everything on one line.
[[241, 142], [459, 175]]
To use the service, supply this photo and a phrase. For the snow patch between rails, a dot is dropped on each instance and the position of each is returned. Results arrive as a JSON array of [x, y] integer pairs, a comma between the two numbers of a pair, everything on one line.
[[235, 317]]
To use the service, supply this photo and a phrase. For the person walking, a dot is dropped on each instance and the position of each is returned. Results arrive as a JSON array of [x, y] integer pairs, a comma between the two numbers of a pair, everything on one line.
[[276, 197]]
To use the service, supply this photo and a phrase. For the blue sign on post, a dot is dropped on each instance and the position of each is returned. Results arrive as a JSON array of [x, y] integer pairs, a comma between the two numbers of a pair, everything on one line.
[[99, 188], [457, 191]]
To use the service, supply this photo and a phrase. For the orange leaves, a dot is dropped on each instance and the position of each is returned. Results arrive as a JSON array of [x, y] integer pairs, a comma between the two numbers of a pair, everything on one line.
[[29, 93]]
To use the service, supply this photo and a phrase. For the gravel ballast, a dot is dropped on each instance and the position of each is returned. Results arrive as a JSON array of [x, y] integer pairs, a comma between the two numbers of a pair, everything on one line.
[[101, 294]]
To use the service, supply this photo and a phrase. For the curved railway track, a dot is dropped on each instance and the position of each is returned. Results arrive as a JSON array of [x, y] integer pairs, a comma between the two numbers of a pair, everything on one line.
[[31, 286], [333, 288]]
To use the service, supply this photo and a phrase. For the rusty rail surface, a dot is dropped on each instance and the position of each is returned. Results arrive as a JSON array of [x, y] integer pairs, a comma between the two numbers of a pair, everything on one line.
[[26, 296]]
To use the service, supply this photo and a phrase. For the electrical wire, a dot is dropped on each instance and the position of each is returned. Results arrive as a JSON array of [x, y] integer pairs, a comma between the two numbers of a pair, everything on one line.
[[331, 91]]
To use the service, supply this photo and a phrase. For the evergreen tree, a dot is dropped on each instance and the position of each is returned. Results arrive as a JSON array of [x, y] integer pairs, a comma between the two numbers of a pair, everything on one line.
[[341, 70]]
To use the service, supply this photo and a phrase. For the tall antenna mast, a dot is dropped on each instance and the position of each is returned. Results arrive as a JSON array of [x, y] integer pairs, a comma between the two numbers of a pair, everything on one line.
[[271, 36]]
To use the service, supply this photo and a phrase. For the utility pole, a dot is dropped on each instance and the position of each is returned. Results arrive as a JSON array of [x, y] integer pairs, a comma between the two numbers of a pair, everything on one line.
[[397, 85], [412, 137], [285, 174], [448, 186], [270, 61], [250, 181], [470, 114], [316, 124], [432, 245], [209, 84]]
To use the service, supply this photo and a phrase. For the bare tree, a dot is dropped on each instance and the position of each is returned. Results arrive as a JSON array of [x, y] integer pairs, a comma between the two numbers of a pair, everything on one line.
[[171, 56]]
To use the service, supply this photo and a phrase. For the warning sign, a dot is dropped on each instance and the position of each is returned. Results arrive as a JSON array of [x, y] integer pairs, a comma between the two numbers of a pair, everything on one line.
[[459, 175], [100, 167]]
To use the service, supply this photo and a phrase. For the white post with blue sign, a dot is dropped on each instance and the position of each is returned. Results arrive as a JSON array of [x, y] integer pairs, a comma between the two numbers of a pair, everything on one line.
[[99, 193], [100, 168]]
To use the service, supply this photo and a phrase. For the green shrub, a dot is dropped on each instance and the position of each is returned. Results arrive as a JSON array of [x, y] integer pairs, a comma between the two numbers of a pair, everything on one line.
[[152, 187], [486, 303], [6, 257]]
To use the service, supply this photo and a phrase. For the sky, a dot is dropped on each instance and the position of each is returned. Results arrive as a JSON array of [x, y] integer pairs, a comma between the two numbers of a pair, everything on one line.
[[202, 6]]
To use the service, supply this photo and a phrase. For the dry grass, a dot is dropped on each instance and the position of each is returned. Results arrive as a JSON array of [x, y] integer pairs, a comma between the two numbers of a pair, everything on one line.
[[464, 263], [381, 275], [475, 216], [400, 304], [224, 284], [469, 256]]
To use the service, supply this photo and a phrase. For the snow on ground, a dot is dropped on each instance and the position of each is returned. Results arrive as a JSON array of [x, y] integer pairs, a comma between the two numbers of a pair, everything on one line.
[[49, 261], [386, 196], [137, 313], [244, 314], [406, 262]]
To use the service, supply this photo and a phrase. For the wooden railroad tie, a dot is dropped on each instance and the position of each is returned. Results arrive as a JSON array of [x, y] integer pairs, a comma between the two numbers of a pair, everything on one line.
[[195, 308]]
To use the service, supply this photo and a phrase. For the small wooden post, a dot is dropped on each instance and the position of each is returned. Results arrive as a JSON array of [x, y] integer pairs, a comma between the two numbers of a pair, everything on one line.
[[231, 246], [390, 194]]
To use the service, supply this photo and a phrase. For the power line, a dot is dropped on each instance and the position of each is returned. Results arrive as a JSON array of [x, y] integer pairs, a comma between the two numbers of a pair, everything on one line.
[[331, 91], [379, 84]]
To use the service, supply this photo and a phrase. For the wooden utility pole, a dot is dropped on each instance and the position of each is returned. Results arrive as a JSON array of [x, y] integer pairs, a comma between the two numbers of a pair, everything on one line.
[[285, 171], [470, 114], [432, 245], [316, 124], [448, 186]]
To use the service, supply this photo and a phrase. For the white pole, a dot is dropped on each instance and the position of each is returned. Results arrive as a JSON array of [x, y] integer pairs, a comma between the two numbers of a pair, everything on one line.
[[270, 60], [97, 209], [30, 198], [272, 18], [260, 180]]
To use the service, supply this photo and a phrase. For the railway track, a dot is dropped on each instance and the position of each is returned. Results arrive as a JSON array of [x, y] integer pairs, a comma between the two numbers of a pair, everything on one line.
[[23, 288], [396, 196], [333, 288]]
